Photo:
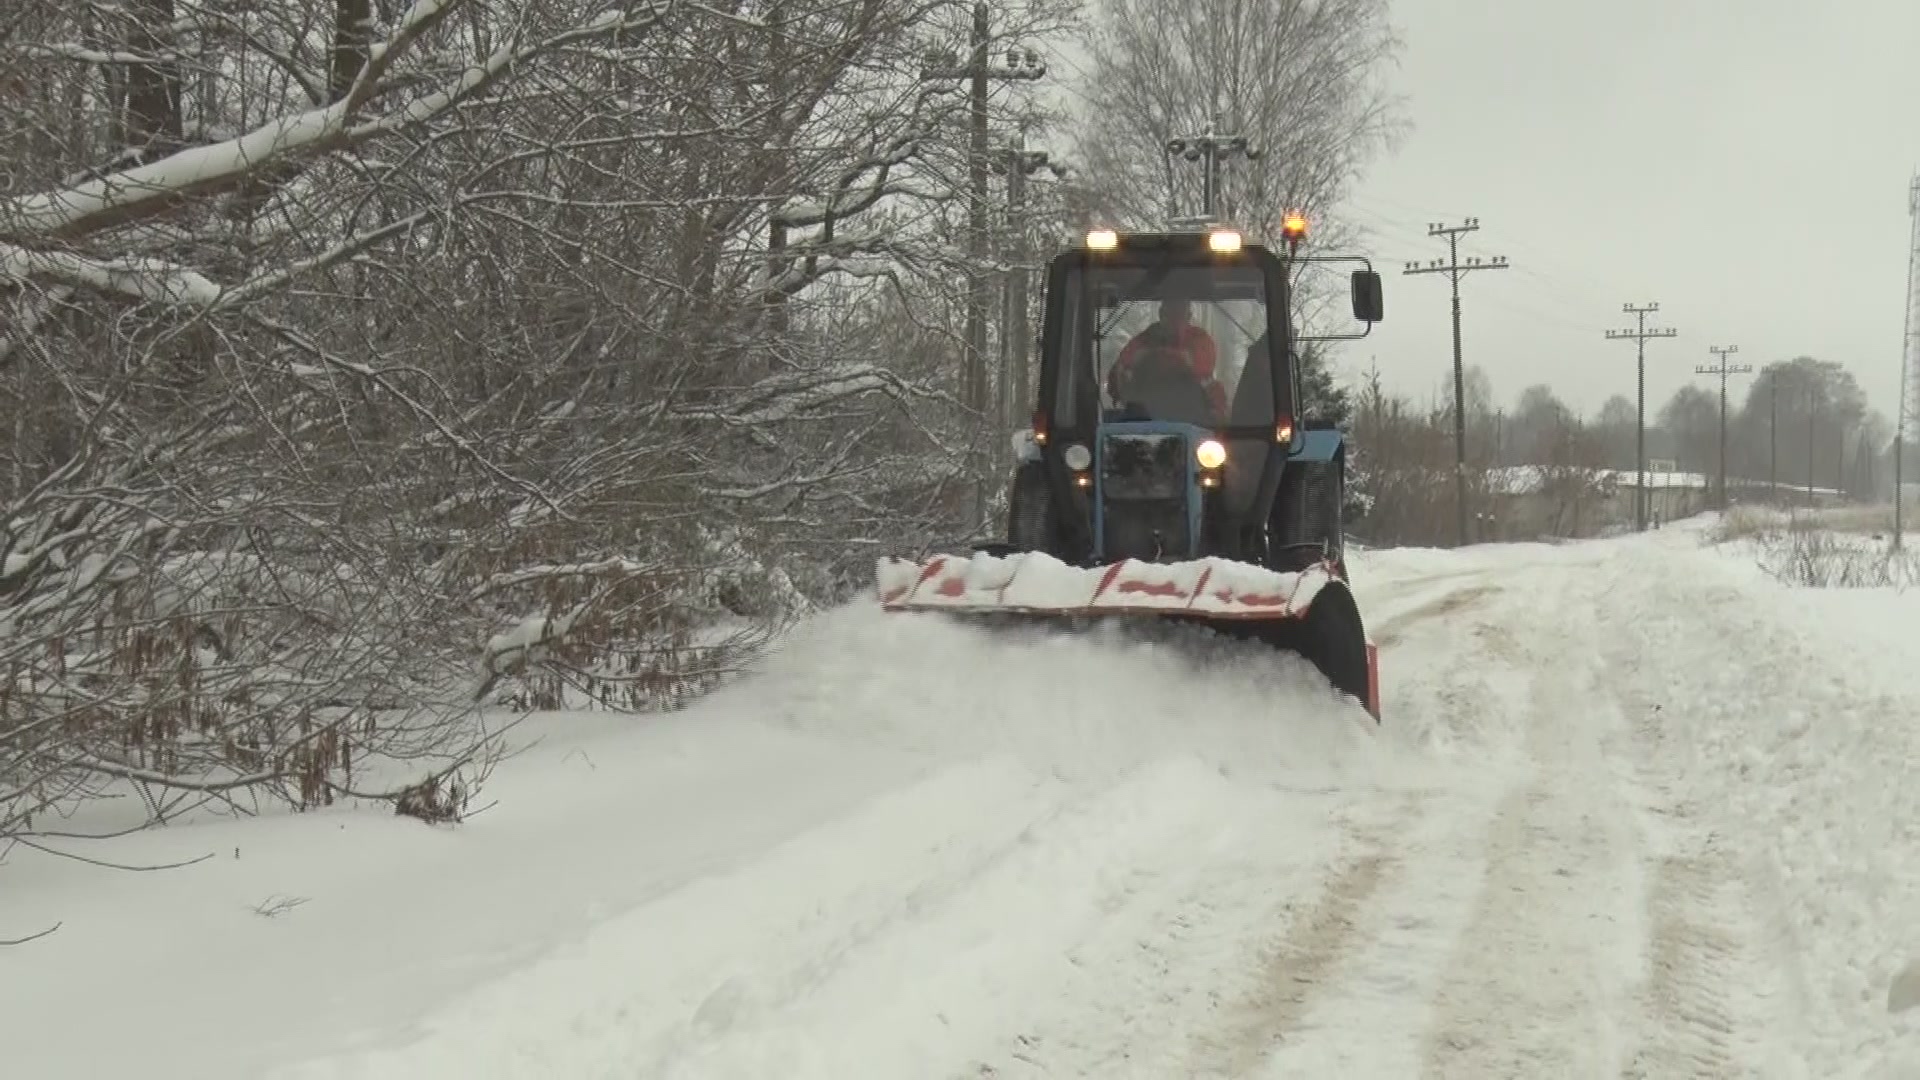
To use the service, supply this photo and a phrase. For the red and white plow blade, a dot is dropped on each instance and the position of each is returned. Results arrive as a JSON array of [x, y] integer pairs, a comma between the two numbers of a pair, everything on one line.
[[1035, 582]]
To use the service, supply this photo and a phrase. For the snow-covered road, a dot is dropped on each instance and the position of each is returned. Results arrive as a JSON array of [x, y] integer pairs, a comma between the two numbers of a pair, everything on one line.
[[1634, 811]]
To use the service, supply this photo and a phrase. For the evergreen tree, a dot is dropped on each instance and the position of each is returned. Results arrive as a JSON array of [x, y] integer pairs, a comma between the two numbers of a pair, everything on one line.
[[1323, 398]]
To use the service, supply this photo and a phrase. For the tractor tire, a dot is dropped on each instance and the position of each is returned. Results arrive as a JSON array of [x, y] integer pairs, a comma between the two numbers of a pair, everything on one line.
[[1032, 523]]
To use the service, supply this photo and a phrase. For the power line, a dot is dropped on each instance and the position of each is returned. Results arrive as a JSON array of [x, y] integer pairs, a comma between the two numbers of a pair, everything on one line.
[[1640, 337], [1723, 369], [1455, 270]]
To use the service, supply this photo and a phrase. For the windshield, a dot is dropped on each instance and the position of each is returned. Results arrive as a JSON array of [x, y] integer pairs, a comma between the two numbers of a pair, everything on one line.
[[1166, 343]]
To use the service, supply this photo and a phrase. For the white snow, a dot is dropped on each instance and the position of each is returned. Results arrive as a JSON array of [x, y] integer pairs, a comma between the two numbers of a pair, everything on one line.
[[1032, 581], [1636, 809]]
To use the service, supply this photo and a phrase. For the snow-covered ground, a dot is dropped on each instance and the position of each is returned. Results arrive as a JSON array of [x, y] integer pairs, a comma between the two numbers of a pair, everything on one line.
[[1637, 809]]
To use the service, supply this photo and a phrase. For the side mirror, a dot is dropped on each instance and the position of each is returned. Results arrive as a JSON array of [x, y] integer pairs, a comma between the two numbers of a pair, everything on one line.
[[1369, 305]]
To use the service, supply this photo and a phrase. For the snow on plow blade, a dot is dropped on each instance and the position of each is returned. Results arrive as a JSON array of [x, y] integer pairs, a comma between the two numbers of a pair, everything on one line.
[[1032, 582], [1268, 604]]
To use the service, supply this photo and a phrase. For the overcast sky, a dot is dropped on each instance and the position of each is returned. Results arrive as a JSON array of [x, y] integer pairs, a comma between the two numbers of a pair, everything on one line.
[[1744, 163]]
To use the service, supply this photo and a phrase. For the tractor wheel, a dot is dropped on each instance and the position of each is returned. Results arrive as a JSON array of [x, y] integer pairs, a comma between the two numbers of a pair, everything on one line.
[[1032, 524]]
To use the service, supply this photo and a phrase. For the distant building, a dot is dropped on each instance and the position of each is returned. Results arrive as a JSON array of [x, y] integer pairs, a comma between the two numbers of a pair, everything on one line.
[[1535, 501]]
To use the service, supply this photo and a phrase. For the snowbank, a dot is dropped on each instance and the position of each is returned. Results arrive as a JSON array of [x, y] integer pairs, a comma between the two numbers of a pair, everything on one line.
[[640, 888], [1788, 715]]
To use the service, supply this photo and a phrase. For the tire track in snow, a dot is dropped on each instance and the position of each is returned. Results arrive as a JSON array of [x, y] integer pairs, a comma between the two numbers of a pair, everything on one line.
[[1697, 949], [1505, 941], [1460, 705], [1693, 958], [1346, 934], [1385, 958], [1450, 601], [1087, 952], [1185, 977], [1295, 967], [1368, 959], [1547, 960], [1712, 992], [1699, 1011]]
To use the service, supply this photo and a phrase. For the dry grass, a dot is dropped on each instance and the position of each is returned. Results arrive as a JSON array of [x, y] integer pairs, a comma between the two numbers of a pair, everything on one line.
[[1875, 521], [1817, 550]]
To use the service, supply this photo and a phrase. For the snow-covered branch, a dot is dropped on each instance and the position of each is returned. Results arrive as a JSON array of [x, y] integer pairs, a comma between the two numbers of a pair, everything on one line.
[[784, 398], [149, 279], [859, 187], [115, 199]]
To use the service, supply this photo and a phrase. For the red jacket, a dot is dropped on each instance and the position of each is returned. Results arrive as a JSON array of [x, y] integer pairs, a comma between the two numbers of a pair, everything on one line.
[[1192, 344]]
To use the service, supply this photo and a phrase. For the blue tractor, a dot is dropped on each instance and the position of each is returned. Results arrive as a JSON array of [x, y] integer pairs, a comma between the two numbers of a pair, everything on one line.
[[1169, 470]]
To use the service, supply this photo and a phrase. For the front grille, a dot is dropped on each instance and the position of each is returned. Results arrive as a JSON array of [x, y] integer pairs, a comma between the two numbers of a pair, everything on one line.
[[1144, 467], [1148, 531]]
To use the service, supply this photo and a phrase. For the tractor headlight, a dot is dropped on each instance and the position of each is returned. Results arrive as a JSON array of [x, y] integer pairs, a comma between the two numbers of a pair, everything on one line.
[[1077, 457], [1210, 454]]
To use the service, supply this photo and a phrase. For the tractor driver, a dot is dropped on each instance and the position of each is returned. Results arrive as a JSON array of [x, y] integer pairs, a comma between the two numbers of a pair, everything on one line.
[[1175, 336]]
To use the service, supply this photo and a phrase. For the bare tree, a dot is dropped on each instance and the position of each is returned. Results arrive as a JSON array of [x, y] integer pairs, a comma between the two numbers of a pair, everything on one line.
[[1575, 486], [1690, 426], [1617, 426], [1798, 413], [1539, 418], [1295, 76], [1405, 458], [366, 368]]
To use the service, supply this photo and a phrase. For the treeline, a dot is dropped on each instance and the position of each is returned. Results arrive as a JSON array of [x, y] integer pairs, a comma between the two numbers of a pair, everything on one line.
[[1797, 422]]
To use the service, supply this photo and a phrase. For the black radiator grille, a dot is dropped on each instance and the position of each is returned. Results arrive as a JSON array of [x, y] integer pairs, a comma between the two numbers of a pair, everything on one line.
[[1148, 531], [1144, 467]]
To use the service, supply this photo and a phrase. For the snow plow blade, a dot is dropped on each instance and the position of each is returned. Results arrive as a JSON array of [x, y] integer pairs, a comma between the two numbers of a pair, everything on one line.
[[1231, 597]]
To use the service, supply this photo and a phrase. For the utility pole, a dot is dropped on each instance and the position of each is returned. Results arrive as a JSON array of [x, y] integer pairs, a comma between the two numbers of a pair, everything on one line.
[[1023, 65], [1773, 437], [1640, 337], [1909, 363], [1215, 148], [1455, 270], [1723, 369], [1016, 163], [1840, 486], [1810, 389]]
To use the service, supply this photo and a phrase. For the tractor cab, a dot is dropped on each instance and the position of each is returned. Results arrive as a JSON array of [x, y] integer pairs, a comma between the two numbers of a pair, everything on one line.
[[1168, 399], [1161, 328]]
